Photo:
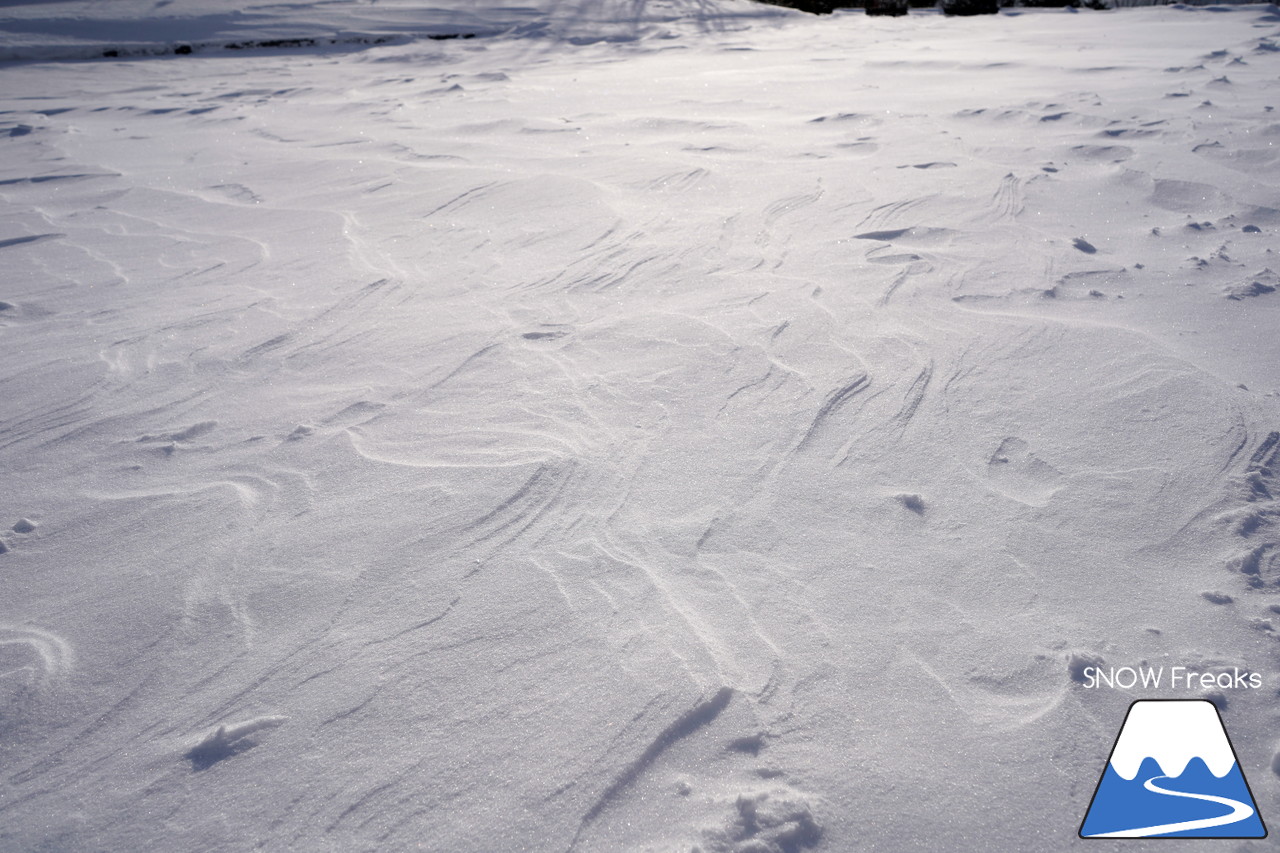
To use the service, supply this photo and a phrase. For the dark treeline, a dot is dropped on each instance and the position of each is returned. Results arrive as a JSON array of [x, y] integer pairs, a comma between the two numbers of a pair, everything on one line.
[[978, 7]]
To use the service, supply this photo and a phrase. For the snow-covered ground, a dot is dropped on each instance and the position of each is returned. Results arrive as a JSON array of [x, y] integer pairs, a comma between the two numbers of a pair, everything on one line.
[[667, 426]]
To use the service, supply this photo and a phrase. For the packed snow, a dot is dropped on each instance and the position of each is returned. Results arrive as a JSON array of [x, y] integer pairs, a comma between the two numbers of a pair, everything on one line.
[[670, 426]]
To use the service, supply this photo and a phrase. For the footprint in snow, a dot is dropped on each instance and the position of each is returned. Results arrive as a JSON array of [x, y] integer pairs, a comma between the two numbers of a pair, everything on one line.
[[1016, 472]]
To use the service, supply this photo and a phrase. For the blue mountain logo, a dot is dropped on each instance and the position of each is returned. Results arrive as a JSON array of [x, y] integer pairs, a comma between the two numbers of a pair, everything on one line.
[[1173, 774]]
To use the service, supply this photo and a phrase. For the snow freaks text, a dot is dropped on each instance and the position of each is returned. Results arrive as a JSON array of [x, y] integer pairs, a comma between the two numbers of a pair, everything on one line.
[[1173, 677]]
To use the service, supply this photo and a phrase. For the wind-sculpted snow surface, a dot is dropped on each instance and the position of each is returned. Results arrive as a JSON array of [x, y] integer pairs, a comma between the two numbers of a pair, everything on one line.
[[737, 437]]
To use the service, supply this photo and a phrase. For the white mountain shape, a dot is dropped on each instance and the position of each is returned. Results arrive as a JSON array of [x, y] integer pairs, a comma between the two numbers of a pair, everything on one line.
[[1173, 733]]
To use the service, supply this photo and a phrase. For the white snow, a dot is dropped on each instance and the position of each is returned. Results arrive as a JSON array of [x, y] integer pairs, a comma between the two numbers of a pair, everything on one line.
[[1172, 733], [641, 426]]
